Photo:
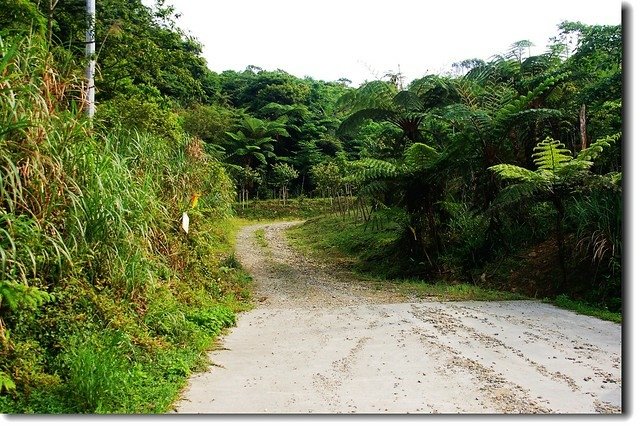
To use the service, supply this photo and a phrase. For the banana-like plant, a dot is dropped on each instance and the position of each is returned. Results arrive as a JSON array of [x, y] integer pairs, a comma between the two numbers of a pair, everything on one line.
[[557, 176]]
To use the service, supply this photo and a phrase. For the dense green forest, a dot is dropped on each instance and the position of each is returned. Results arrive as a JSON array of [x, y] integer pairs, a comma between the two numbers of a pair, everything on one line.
[[506, 170]]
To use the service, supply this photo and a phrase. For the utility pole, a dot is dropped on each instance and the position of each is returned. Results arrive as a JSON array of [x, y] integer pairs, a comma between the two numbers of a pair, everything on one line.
[[90, 52]]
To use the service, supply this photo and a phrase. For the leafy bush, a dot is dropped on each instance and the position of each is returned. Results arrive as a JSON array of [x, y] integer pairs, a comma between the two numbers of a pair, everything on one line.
[[140, 112]]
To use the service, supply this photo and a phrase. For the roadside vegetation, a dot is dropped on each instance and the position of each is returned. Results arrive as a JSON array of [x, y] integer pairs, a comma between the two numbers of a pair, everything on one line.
[[107, 306], [502, 175], [353, 247]]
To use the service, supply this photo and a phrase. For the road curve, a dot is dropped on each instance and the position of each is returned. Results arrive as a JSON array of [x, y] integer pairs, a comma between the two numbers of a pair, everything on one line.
[[320, 342]]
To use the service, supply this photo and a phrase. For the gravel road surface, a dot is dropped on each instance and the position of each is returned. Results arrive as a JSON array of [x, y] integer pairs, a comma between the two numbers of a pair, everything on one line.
[[320, 342]]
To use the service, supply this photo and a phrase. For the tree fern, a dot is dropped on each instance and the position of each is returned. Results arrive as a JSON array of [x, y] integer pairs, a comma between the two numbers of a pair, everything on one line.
[[517, 173], [557, 176], [419, 156], [373, 169], [551, 155]]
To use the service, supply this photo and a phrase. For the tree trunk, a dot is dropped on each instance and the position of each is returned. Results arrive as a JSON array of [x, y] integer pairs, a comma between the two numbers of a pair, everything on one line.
[[583, 127], [52, 5]]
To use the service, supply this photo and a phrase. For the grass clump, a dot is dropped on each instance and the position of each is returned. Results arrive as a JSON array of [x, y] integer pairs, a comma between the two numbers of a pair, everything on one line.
[[447, 291], [353, 243], [260, 238], [563, 301]]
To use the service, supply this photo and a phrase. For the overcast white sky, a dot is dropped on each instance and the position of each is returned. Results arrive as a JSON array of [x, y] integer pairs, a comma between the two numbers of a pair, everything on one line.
[[363, 39]]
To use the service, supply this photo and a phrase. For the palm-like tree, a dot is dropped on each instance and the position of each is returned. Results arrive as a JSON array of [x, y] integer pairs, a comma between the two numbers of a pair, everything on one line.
[[491, 110], [417, 179], [412, 176], [406, 109], [253, 142]]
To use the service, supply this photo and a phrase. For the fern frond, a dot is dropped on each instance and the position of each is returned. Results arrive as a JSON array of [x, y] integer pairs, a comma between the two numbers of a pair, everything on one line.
[[252, 123], [260, 157], [347, 101], [511, 172], [468, 90], [233, 169], [419, 156], [408, 101], [373, 169], [238, 136], [596, 148], [374, 189], [372, 95], [280, 132], [497, 96], [513, 194], [355, 120], [551, 155], [520, 103]]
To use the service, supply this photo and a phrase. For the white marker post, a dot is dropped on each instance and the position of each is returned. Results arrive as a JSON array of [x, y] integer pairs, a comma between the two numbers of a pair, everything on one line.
[[185, 222]]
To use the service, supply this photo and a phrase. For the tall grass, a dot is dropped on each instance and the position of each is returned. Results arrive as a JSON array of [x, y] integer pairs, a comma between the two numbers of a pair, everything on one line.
[[596, 220], [100, 289]]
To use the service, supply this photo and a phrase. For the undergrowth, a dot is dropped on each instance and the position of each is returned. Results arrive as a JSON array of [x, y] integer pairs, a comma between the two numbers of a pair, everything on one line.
[[369, 250], [295, 208], [366, 247], [106, 304]]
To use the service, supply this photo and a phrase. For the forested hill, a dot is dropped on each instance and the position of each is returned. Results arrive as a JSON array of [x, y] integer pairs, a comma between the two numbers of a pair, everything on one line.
[[106, 304]]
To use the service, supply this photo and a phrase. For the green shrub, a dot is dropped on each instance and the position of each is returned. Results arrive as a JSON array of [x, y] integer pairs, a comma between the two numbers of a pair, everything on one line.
[[465, 236], [141, 112]]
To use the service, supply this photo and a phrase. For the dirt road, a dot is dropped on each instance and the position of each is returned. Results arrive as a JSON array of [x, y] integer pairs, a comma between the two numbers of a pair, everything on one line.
[[318, 342]]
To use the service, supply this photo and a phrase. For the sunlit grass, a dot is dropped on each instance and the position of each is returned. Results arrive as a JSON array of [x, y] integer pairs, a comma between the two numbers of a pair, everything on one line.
[[564, 302], [272, 210]]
